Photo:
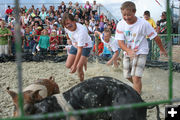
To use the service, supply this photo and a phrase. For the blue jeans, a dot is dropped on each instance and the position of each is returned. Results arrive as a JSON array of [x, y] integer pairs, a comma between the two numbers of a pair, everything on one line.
[[106, 57], [34, 47]]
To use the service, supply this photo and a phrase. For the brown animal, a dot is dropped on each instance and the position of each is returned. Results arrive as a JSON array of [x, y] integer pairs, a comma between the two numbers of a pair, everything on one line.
[[35, 92]]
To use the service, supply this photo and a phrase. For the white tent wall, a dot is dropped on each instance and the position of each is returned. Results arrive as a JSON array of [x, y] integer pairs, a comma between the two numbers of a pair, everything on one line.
[[113, 6]]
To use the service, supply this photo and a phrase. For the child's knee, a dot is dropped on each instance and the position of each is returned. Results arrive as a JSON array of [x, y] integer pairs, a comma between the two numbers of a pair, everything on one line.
[[68, 65]]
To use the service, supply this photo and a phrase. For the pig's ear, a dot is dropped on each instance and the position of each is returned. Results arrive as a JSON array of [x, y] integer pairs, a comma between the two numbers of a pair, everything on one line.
[[12, 93], [52, 78], [35, 96]]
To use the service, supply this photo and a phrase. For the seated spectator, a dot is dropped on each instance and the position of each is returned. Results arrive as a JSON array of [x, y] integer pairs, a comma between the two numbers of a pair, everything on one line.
[[94, 7], [60, 35], [55, 28], [109, 26], [113, 25], [76, 7], [101, 25], [44, 43], [82, 21], [11, 19], [96, 16], [49, 29], [27, 41], [36, 36], [89, 28], [92, 22], [25, 20], [96, 28], [8, 11], [54, 43], [70, 5], [71, 11], [33, 14], [43, 15], [87, 7], [162, 26], [60, 12], [77, 18], [62, 6]]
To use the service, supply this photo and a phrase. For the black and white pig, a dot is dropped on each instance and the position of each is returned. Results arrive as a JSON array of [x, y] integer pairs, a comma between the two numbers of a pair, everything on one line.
[[92, 93]]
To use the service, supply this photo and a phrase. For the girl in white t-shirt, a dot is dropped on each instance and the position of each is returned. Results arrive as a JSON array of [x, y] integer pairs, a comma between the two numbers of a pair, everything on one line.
[[111, 44], [81, 45]]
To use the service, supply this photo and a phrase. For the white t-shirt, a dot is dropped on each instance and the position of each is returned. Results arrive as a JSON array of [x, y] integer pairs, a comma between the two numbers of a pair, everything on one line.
[[135, 35], [112, 45], [94, 7], [80, 36]]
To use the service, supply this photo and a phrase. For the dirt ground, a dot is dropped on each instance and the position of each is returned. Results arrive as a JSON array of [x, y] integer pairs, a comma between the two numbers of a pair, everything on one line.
[[155, 81]]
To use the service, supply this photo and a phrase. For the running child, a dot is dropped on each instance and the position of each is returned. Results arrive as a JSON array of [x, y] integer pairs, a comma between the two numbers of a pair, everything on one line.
[[131, 34], [111, 44], [81, 45]]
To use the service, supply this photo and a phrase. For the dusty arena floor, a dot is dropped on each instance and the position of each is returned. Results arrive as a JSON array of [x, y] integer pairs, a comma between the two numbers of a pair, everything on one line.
[[155, 81]]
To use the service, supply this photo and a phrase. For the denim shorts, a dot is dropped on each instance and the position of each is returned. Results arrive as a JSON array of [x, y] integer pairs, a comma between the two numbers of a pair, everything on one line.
[[85, 51], [119, 50]]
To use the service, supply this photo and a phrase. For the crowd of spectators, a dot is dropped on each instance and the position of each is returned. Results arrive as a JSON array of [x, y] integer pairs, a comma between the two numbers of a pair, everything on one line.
[[42, 31], [39, 22]]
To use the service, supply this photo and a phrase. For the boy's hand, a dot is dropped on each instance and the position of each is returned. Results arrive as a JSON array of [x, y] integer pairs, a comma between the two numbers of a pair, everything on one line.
[[163, 52], [132, 53]]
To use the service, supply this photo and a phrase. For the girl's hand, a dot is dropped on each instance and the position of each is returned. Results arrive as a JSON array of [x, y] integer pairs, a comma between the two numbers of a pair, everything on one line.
[[73, 69]]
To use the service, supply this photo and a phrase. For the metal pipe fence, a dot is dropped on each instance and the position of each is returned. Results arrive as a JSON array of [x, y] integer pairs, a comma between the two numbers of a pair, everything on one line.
[[174, 38]]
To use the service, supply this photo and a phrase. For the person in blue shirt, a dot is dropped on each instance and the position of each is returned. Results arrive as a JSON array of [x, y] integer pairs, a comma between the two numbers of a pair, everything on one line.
[[44, 42]]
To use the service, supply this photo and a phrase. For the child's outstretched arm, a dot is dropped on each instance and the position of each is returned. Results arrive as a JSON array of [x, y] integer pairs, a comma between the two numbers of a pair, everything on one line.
[[160, 45], [113, 58]]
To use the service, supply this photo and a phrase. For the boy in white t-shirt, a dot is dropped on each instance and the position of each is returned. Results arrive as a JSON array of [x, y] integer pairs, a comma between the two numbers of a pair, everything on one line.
[[131, 34], [111, 44], [81, 45]]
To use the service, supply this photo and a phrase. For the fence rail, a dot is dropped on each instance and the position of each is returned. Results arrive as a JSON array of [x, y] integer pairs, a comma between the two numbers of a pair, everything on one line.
[[174, 38]]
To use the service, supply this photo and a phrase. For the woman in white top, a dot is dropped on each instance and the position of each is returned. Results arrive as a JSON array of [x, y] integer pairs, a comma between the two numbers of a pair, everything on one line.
[[81, 45]]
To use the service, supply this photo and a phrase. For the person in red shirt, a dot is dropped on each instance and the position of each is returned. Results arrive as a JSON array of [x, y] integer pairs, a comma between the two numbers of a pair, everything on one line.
[[54, 42], [8, 11]]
